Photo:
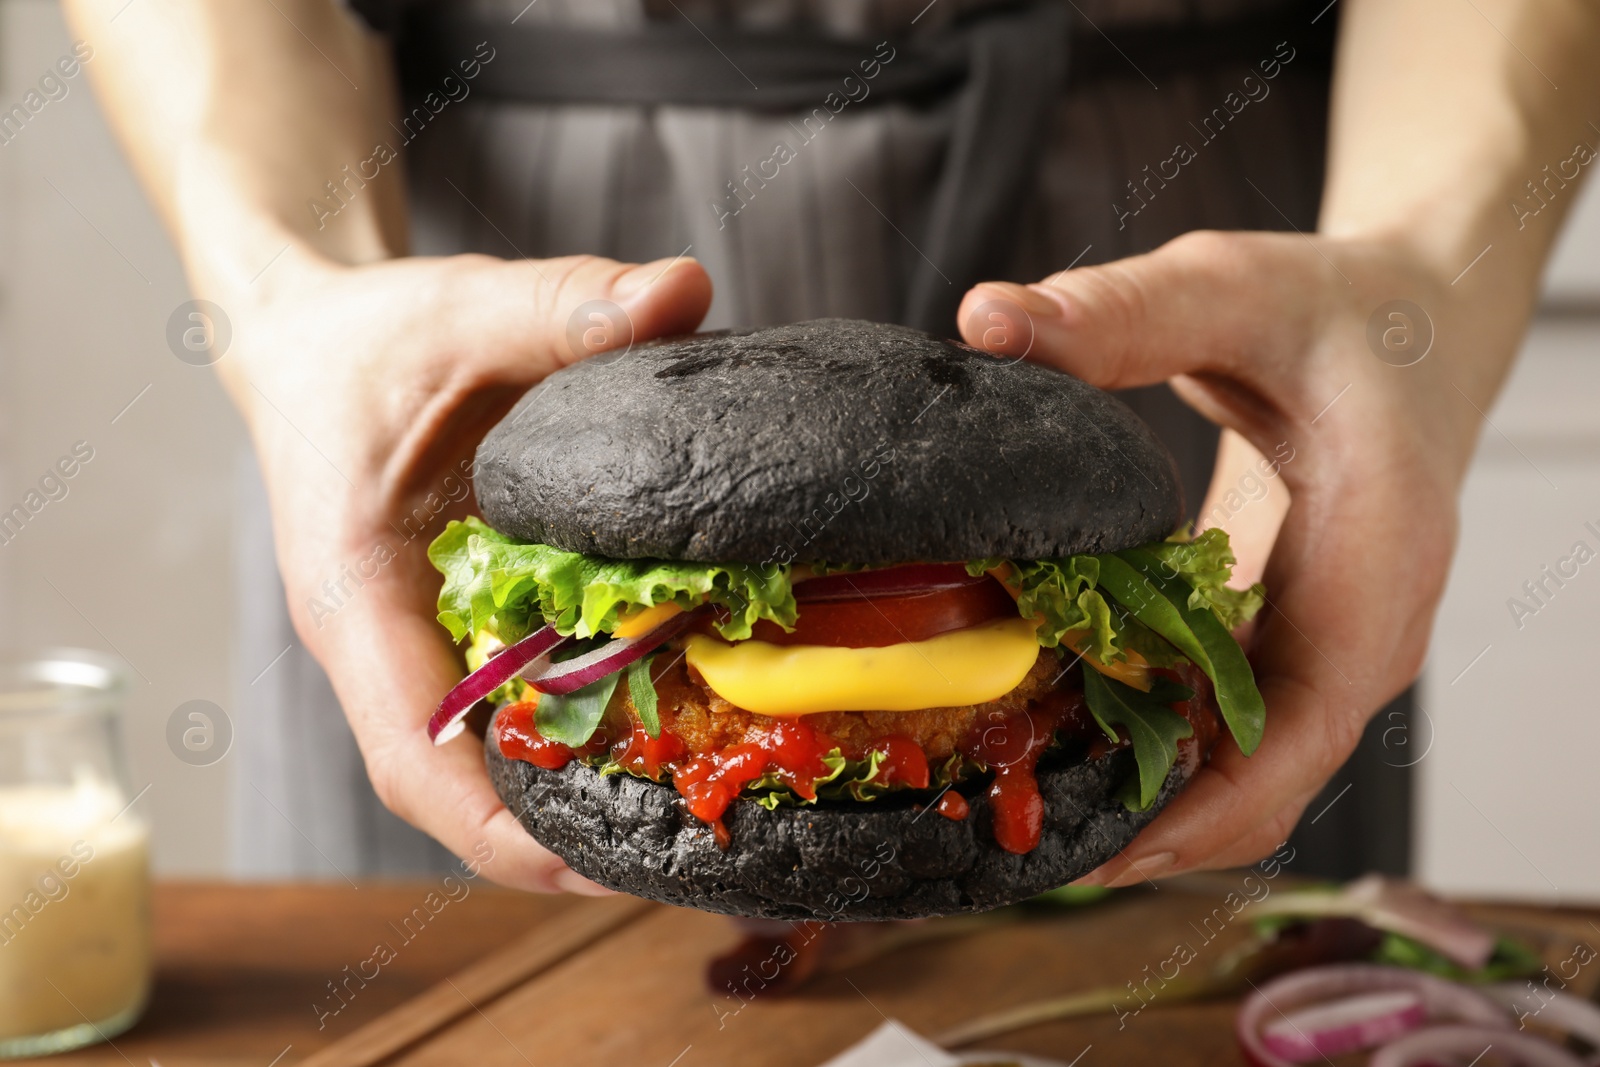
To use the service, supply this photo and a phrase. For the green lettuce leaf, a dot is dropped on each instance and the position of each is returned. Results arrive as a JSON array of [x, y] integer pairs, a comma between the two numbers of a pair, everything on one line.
[[510, 589], [1062, 593], [1151, 726], [1205, 564], [573, 718]]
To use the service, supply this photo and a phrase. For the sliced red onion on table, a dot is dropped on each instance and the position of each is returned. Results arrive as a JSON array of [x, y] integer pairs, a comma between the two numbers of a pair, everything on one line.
[[573, 674], [1398, 906], [887, 581], [500, 669], [1340, 1026], [1292, 992], [1460, 1044], [1411, 911], [1550, 1007]]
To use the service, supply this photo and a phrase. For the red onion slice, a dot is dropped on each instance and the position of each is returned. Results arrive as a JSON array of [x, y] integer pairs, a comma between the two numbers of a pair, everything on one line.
[[1439, 999], [1458, 1044], [500, 669], [1398, 906], [1340, 1026], [886, 581], [574, 674], [1549, 1007]]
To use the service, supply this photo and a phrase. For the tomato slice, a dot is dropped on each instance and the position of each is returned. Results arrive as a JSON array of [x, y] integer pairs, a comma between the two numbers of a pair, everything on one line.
[[885, 581], [874, 622]]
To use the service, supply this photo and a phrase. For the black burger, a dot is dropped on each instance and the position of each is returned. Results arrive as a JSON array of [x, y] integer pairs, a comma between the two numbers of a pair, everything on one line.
[[837, 620]]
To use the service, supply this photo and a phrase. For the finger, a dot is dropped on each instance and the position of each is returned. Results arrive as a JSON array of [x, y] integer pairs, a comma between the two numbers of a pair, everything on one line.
[[1249, 501], [1235, 799], [528, 318], [390, 665], [497, 327], [1256, 843], [1324, 665], [1264, 840], [1203, 303]]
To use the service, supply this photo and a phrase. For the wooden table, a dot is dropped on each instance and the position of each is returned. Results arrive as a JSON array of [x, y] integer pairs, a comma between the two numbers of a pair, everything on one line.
[[257, 975]]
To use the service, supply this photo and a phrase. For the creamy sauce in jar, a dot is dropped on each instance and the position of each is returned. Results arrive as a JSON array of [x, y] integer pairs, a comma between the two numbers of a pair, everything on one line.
[[74, 907]]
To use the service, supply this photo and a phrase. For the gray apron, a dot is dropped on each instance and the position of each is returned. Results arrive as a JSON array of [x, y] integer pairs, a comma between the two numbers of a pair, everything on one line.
[[999, 141]]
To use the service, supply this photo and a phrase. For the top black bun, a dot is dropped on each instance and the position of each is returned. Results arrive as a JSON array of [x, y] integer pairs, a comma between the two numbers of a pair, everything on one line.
[[827, 440]]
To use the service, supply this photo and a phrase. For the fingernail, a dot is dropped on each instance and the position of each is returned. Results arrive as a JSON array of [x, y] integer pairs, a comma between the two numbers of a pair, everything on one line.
[[1031, 298], [642, 277], [1144, 869], [573, 882]]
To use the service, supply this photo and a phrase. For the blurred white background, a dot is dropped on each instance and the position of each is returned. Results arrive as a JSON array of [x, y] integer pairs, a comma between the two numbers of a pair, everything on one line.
[[137, 558]]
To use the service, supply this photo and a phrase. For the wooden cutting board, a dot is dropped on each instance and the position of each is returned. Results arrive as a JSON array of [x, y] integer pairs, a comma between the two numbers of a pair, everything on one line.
[[638, 995]]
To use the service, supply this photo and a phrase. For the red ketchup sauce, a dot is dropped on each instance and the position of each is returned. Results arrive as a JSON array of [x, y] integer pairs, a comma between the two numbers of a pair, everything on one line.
[[520, 739], [639, 751], [954, 806], [904, 762], [1010, 743], [710, 781]]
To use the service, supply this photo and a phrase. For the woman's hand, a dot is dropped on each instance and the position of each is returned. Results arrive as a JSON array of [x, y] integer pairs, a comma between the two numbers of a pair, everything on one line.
[[366, 390], [1449, 170], [1268, 335]]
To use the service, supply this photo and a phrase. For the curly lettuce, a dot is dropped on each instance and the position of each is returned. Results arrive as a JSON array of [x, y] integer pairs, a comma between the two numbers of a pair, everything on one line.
[[1167, 602], [1205, 563], [495, 584], [1068, 595]]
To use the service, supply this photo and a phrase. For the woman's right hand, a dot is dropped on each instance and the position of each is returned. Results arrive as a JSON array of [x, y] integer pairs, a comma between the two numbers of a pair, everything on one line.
[[366, 390]]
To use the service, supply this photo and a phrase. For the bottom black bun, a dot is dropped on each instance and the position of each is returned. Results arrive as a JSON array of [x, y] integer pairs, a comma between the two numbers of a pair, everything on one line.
[[890, 858]]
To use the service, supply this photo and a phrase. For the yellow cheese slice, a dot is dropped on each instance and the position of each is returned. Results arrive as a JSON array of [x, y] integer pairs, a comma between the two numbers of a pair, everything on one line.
[[971, 666], [639, 623]]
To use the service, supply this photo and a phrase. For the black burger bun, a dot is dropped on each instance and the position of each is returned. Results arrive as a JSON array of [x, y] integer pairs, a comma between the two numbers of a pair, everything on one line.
[[892, 858], [845, 442], [833, 440]]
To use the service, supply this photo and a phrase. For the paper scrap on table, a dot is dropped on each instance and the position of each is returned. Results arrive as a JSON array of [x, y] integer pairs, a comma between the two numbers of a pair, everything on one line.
[[895, 1044]]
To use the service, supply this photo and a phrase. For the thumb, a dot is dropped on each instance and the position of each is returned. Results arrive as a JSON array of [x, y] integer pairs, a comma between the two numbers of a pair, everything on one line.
[[533, 317], [1204, 303]]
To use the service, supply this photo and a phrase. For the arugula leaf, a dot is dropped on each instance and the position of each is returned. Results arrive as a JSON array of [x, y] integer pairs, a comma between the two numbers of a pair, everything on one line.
[[1152, 726], [511, 589], [1135, 592], [1511, 959], [1223, 660], [1137, 637], [572, 719], [643, 692]]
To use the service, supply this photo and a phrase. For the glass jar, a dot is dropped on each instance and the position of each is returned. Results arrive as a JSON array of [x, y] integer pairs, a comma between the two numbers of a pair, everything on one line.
[[74, 857]]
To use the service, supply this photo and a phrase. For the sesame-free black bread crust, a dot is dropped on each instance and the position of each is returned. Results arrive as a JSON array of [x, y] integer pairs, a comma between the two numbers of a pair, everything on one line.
[[839, 862], [833, 440]]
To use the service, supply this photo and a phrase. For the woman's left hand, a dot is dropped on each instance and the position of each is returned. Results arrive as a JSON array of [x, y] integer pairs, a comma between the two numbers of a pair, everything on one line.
[[1289, 341]]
